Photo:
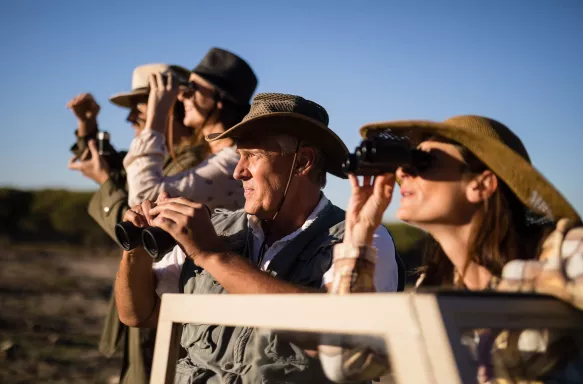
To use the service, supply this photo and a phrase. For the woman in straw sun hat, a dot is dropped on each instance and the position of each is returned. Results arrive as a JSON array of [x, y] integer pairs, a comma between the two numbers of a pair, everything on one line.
[[480, 200]]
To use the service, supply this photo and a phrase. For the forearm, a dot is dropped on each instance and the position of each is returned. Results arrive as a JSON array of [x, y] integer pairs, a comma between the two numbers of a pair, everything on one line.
[[145, 174], [353, 272], [144, 164], [237, 275], [136, 299], [86, 127]]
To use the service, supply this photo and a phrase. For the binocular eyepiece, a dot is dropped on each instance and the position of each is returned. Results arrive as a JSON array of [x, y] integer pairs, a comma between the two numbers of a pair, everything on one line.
[[384, 154], [155, 241]]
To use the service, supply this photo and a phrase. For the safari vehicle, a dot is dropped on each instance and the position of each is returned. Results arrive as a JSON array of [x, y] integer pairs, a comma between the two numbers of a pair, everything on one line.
[[422, 333]]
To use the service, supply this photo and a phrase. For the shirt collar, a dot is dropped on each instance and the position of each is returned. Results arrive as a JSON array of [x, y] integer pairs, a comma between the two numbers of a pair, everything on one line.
[[257, 230]]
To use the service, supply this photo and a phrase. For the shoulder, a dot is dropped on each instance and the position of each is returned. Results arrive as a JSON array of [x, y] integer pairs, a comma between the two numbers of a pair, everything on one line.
[[383, 239], [225, 220], [227, 153]]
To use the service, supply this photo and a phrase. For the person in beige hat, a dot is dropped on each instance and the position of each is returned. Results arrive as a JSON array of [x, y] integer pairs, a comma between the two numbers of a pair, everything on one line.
[[280, 242], [478, 197], [108, 205]]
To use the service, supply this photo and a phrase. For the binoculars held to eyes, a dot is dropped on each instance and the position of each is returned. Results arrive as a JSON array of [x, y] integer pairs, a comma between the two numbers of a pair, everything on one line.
[[385, 153], [155, 241]]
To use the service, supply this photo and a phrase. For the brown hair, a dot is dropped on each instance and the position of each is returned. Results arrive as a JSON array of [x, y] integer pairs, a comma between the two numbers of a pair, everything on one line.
[[502, 232], [196, 140]]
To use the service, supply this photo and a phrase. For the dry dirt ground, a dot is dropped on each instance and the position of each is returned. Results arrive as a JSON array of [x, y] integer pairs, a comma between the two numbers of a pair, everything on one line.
[[52, 304]]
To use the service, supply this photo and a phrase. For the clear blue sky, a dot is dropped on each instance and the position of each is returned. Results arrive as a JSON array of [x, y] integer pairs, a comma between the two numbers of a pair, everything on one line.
[[520, 62]]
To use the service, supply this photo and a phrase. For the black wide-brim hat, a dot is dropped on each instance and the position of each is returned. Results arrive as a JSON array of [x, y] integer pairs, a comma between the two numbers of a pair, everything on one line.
[[295, 116], [230, 74]]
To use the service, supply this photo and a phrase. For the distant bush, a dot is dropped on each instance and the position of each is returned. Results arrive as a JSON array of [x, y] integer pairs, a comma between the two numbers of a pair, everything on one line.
[[410, 243], [49, 216], [60, 216]]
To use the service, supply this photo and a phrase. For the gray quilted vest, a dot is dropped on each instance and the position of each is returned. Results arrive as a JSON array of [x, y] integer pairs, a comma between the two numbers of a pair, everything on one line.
[[218, 354]]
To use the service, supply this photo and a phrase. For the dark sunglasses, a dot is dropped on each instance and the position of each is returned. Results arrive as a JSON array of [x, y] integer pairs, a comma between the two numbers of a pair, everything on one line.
[[191, 87]]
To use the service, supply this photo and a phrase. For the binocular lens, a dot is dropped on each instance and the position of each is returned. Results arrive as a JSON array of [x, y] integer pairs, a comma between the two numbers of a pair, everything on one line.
[[128, 235], [376, 156], [157, 242], [350, 165]]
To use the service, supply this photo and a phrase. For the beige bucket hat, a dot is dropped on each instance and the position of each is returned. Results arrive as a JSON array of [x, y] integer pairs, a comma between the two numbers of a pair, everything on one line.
[[140, 84]]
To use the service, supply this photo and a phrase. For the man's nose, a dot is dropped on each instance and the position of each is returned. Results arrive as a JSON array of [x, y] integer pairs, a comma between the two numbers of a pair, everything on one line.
[[132, 115], [241, 172]]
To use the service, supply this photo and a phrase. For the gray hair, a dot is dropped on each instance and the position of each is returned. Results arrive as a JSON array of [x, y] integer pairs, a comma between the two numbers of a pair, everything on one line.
[[288, 144]]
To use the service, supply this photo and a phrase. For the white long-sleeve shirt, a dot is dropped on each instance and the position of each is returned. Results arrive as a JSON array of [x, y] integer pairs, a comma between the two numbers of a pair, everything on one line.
[[210, 183]]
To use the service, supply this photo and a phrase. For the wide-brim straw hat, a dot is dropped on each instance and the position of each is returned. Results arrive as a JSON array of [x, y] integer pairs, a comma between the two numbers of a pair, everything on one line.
[[498, 148], [140, 84], [294, 116]]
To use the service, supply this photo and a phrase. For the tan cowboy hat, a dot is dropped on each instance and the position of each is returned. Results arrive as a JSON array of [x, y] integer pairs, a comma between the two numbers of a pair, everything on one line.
[[499, 149], [140, 83], [295, 116]]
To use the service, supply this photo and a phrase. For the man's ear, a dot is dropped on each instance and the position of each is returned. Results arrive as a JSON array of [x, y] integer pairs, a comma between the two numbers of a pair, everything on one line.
[[305, 160], [220, 105], [482, 187]]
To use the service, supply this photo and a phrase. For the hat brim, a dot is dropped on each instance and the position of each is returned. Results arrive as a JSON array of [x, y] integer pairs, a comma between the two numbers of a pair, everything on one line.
[[223, 94], [296, 125], [529, 185], [124, 99]]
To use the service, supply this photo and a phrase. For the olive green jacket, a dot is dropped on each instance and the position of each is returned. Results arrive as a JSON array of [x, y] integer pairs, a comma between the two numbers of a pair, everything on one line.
[[107, 207]]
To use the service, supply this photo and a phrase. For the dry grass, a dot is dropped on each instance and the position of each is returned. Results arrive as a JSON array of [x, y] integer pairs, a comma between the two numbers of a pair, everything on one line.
[[52, 304]]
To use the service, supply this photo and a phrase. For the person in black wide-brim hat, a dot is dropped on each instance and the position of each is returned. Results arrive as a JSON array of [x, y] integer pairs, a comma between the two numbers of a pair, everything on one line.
[[216, 96]]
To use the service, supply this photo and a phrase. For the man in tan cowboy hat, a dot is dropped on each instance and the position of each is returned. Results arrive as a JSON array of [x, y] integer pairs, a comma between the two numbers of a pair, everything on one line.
[[108, 205], [279, 243]]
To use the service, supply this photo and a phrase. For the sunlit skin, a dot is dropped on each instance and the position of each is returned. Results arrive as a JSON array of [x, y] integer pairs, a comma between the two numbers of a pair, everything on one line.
[[264, 172], [202, 110], [198, 104], [137, 115], [444, 200], [438, 194]]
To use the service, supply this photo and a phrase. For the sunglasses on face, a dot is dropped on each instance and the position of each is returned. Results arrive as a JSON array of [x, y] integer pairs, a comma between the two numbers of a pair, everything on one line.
[[441, 167], [190, 88]]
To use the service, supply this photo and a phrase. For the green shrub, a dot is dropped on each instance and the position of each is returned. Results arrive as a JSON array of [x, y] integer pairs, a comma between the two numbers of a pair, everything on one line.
[[49, 216]]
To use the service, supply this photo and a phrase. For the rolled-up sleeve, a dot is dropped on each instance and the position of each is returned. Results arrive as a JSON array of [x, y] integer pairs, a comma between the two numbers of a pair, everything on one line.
[[210, 183], [386, 277]]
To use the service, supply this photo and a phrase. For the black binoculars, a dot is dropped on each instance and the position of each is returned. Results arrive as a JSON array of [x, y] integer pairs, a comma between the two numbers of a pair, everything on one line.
[[384, 154], [155, 241]]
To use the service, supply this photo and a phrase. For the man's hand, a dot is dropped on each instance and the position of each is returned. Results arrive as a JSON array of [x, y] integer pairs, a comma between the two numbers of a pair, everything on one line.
[[95, 168], [86, 110], [366, 207], [190, 225], [160, 101], [141, 215]]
